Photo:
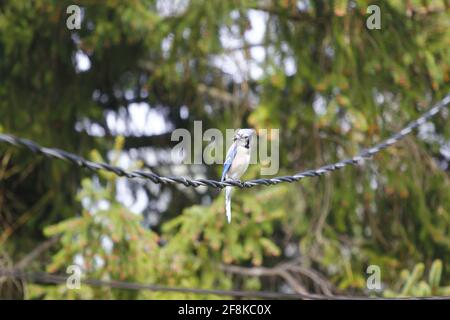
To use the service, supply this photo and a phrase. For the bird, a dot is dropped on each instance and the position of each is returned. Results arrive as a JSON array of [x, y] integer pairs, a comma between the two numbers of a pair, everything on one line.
[[236, 163]]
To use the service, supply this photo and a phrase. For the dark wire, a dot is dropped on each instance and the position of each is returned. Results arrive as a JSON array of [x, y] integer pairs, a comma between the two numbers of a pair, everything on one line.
[[95, 166], [46, 278]]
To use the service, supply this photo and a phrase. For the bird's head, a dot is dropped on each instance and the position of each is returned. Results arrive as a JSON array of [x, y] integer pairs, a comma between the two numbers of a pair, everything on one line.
[[243, 137]]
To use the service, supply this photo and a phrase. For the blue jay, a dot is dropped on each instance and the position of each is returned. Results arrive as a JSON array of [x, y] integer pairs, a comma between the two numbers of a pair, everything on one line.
[[236, 163]]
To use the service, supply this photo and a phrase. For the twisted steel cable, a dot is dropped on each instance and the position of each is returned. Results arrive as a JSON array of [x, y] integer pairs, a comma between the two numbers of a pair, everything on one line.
[[188, 182]]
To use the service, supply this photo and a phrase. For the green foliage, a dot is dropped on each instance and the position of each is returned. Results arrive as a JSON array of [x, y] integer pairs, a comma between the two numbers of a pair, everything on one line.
[[413, 285], [112, 243], [328, 83]]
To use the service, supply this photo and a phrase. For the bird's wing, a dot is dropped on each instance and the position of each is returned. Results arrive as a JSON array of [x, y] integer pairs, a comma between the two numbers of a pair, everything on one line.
[[229, 160]]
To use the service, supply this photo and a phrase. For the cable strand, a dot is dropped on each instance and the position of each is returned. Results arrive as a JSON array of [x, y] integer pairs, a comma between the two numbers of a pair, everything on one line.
[[188, 182], [48, 278]]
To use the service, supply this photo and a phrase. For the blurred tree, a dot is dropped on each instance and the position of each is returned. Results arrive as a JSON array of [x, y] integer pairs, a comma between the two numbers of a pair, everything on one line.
[[316, 72]]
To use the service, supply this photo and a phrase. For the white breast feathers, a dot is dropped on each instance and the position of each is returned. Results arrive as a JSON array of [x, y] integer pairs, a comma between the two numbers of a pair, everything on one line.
[[240, 163]]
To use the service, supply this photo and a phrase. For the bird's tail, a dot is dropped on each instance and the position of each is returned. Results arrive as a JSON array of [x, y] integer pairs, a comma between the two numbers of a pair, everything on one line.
[[228, 203]]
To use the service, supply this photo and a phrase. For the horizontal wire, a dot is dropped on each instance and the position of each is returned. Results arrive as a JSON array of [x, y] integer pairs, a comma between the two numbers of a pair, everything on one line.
[[47, 278], [188, 182]]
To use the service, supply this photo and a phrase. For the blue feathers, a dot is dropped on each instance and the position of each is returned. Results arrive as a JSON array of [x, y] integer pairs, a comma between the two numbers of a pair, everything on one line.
[[229, 160]]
